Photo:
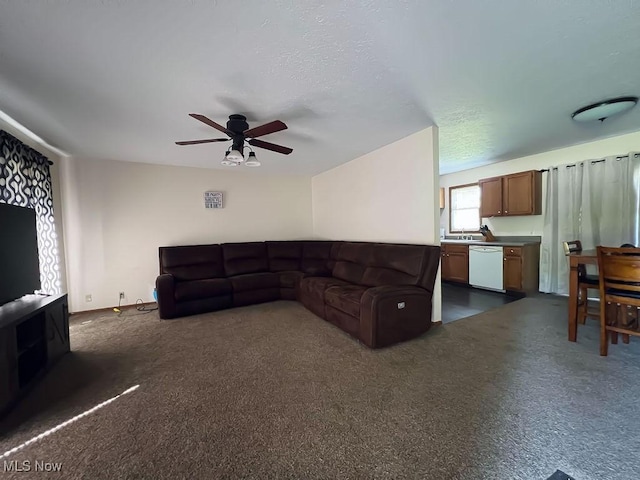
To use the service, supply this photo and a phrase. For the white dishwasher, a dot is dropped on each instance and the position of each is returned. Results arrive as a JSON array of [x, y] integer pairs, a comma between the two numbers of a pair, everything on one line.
[[485, 267]]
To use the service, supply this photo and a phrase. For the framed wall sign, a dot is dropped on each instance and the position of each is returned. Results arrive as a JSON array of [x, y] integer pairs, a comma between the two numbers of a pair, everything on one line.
[[212, 199]]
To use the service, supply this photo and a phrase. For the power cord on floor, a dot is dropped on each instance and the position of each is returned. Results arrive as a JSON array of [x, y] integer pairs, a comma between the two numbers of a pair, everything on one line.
[[141, 307], [118, 309]]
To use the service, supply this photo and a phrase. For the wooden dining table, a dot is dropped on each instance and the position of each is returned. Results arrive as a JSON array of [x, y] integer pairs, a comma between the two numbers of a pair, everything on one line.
[[585, 257]]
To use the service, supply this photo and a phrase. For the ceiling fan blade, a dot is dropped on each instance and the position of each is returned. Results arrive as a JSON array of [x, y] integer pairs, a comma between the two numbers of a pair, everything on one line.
[[211, 123], [195, 142], [270, 146], [265, 129]]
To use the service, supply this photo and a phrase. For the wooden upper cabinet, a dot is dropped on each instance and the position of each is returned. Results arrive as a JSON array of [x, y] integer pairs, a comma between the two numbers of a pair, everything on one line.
[[515, 194], [490, 197], [522, 193]]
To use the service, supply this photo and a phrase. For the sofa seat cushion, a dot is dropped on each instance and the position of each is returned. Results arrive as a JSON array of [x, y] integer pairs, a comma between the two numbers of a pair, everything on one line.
[[289, 279], [345, 298], [199, 289], [254, 281], [315, 286]]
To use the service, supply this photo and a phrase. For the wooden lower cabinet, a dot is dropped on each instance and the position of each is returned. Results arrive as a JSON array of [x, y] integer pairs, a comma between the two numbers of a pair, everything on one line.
[[520, 268], [455, 263], [512, 273]]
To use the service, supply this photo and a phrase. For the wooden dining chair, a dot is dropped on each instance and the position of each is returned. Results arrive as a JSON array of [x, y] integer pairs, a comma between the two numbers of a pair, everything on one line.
[[619, 270], [585, 283]]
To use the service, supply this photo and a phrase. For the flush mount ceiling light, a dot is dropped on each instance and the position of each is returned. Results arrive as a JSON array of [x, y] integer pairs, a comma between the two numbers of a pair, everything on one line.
[[252, 161], [602, 110]]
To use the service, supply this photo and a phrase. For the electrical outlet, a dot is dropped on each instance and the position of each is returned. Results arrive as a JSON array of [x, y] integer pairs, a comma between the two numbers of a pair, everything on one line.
[[121, 295], [87, 298]]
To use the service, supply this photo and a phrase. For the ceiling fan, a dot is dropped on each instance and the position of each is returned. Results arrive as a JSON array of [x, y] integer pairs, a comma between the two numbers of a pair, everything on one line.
[[239, 133]]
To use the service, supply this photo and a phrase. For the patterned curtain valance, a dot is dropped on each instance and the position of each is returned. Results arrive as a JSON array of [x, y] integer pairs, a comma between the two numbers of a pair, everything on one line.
[[25, 181]]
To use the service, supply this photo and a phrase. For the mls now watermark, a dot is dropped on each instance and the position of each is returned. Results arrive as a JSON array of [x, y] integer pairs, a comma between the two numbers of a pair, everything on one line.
[[29, 466]]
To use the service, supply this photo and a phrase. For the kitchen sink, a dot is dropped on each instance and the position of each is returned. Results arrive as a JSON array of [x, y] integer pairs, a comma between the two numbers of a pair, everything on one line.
[[457, 240]]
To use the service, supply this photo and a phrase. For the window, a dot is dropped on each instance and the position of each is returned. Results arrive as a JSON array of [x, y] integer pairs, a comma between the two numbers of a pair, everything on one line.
[[464, 208]]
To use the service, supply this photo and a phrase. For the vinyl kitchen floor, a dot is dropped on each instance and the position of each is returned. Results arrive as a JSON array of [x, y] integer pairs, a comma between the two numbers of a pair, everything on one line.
[[461, 302]]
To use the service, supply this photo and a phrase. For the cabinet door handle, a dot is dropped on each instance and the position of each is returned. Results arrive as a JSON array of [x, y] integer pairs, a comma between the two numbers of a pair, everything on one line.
[[505, 259], [498, 211], [506, 211]]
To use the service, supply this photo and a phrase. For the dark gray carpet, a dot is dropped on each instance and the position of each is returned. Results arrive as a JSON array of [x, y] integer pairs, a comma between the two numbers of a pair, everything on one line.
[[271, 391]]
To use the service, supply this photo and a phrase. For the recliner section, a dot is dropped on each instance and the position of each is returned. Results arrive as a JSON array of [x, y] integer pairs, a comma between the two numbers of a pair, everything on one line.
[[378, 293]]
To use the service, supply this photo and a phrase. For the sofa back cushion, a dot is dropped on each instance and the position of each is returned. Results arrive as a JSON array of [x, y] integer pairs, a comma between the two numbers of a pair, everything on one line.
[[284, 256], [315, 256], [351, 261], [333, 255], [430, 267], [241, 258], [392, 264], [193, 262]]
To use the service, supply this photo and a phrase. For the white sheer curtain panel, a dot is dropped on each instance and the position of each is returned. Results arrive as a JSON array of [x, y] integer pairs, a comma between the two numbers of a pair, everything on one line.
[[596, 202]]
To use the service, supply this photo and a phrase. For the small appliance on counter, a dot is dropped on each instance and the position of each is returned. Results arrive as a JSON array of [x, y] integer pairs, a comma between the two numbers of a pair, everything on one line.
[[486, 233]]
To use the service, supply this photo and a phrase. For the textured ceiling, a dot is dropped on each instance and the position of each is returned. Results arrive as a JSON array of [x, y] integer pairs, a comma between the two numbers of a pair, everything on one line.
[[116, 79]]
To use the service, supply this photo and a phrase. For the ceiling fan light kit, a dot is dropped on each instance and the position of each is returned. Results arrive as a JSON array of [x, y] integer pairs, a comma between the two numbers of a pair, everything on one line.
[[239, 132], [252, 161], [235, 156], [603, 110]]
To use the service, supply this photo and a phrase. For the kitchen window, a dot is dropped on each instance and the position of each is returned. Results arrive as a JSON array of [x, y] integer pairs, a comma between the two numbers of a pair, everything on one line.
[[464, 208]]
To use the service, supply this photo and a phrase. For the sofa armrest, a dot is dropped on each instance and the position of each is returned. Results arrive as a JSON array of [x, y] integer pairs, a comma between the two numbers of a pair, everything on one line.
[[392, 314], [165, 289]]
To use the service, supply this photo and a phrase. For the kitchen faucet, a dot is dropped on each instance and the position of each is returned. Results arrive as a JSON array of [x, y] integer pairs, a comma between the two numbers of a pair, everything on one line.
[[465, 237]]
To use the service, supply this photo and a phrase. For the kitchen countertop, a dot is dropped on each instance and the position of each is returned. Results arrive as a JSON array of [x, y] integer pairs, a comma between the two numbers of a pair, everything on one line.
[[499, 242]]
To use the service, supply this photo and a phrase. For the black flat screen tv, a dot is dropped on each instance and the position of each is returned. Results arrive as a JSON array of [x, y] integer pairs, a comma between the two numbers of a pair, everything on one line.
[[19, 264]]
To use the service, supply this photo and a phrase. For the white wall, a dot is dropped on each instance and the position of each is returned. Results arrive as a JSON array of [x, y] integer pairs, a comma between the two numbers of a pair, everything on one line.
[[532, 225], [117, 214], [55, 180], [388, 195]]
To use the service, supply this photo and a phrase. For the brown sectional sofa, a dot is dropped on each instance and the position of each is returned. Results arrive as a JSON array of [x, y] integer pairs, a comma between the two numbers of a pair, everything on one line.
[[380, 293]]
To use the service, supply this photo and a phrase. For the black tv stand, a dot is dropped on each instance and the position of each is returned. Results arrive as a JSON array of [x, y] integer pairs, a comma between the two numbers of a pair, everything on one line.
[[34, 333]]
